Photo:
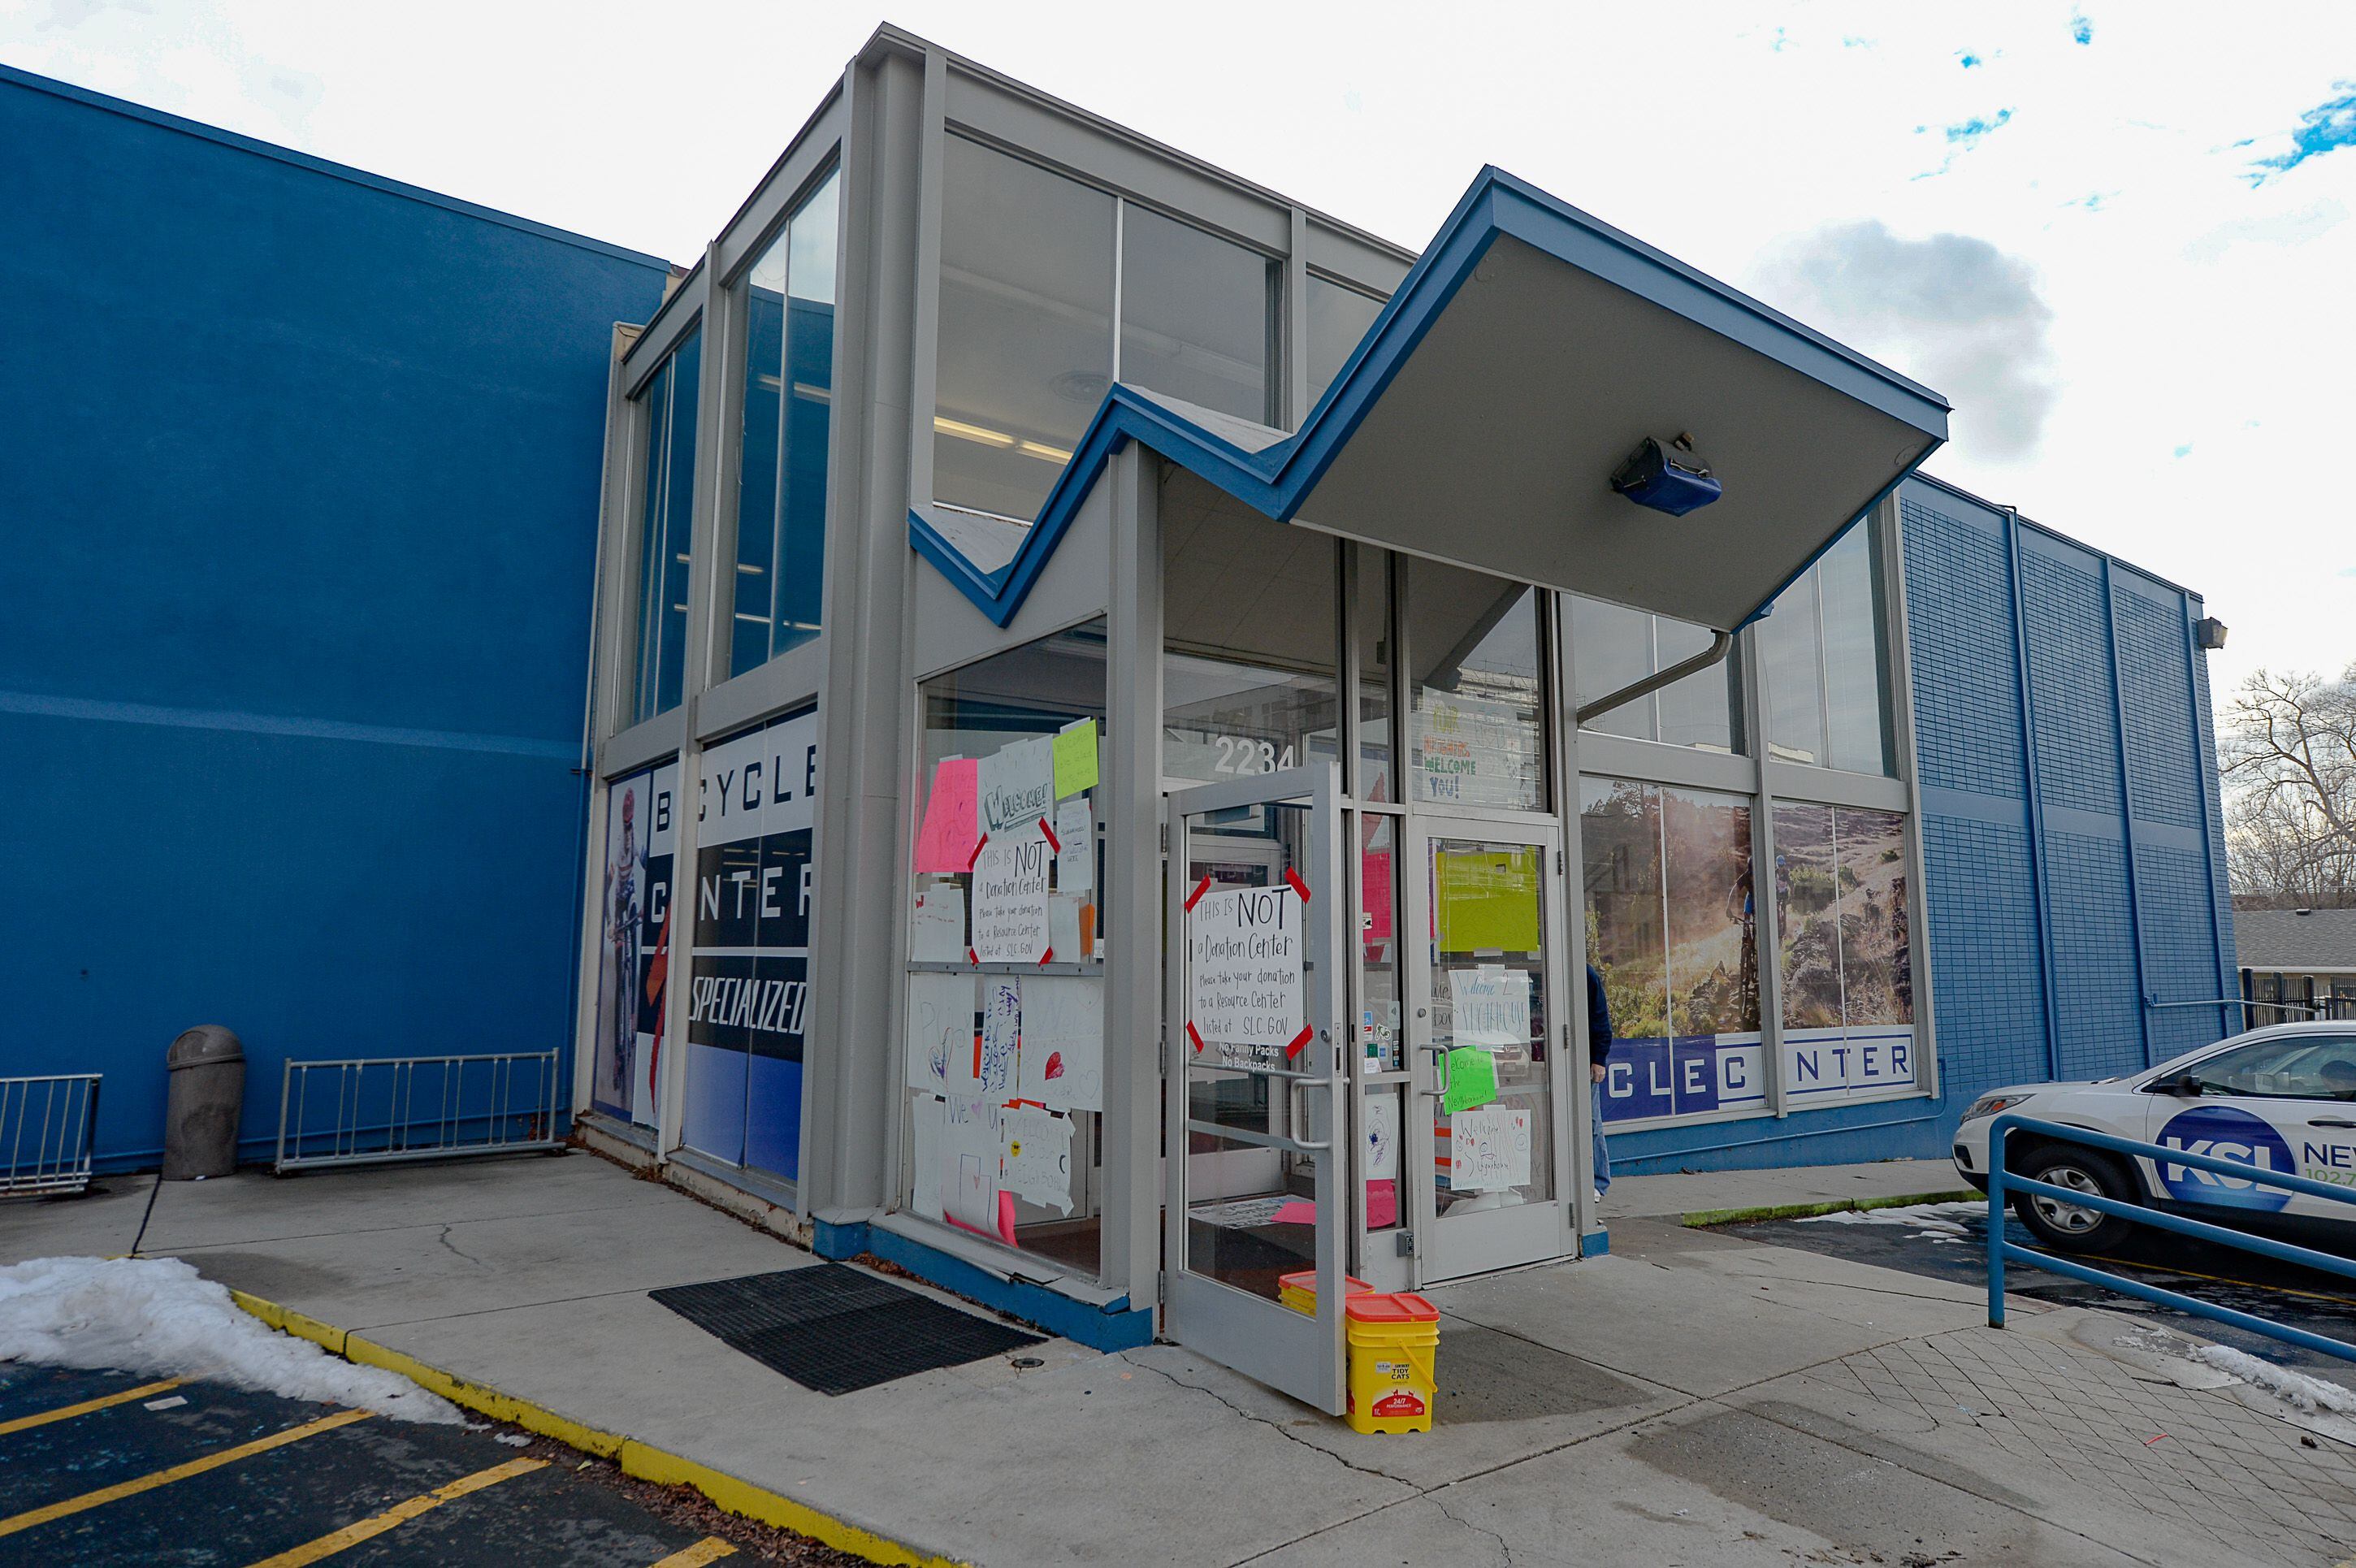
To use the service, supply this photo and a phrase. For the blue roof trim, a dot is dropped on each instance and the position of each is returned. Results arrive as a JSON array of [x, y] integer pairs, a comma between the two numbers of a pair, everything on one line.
[[1274, 481]]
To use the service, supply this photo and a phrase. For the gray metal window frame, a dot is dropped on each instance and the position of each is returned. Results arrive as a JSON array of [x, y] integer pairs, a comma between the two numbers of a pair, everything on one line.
[[1766, 782]]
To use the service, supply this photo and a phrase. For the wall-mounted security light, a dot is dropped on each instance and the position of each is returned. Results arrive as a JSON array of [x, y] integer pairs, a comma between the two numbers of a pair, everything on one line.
[[2209, 634], [1667, 476]]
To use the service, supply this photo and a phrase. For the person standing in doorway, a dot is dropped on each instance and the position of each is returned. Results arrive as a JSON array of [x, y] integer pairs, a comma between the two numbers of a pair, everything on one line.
[[1599, 1059]]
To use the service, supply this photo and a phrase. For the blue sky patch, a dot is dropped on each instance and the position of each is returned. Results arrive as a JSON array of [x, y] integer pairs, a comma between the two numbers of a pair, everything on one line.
[[1978, 125], [2325, 128], [1970, 59], [2080, 28], [2184, 451]]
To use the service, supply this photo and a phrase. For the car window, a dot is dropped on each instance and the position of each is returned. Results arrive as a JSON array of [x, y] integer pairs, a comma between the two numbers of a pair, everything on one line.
[[2306, 1066]]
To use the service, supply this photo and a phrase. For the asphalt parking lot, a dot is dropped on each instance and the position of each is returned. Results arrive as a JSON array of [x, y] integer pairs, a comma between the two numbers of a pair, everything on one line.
[[102, 1468], [2304, 1298]]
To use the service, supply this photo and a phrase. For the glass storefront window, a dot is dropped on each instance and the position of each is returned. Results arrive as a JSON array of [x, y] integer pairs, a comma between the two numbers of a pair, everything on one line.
[[749, 995], [1671, 927], [1476, 720], [666, 530], [1847, 962], [1196, 313], [789, 418], [1339, 319], [1003, 1063], [1612, 648], [1026, 343], [1826, 663], [1251, 635]]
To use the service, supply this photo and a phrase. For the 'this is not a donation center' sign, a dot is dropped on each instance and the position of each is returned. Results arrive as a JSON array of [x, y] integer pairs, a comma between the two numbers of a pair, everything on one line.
[[1244, 987]]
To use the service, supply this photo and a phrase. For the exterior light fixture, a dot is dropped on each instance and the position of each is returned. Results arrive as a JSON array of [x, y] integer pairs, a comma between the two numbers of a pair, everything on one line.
[[1667, 476], [2209, 634]]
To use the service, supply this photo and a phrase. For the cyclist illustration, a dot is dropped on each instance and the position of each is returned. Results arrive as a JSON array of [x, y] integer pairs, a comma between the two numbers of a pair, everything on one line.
[[622, 938]]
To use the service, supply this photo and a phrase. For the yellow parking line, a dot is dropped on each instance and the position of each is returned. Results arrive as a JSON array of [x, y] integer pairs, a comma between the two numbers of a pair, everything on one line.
[[424, 1502], [2216, 1279], [44, 1514], [67, 1412], [709, 1549]]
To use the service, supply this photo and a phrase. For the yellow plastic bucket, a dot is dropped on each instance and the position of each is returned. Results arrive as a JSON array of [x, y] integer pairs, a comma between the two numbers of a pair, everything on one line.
[[1394, 1356], [1299, 1290]]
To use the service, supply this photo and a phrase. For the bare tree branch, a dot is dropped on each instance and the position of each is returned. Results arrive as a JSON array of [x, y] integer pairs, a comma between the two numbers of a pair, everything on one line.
[[2288, 756]]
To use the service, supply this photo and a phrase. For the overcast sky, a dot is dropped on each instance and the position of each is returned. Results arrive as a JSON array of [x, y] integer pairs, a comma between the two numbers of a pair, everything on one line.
[[2116, 235]]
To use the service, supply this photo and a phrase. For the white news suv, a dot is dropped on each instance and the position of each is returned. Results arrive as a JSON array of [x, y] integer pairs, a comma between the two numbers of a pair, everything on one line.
[[2281, 1098]]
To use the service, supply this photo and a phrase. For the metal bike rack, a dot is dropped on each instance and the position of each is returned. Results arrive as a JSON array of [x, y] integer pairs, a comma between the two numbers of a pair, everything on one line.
[[395, 1108]]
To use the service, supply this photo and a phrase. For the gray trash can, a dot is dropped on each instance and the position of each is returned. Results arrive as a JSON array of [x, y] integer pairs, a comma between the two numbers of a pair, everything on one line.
[[201, 1110]]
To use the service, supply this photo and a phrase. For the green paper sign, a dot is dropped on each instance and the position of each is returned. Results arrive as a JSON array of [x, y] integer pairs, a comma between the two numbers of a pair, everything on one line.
[[1075, 758], [1472, 1080]]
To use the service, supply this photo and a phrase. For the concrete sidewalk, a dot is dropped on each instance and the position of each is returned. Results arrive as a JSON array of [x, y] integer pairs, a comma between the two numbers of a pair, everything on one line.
[[1805, 1189], [1690, 1399]]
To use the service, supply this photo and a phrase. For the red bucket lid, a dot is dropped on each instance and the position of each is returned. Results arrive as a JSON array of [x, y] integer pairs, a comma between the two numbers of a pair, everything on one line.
[[1400, 1306]]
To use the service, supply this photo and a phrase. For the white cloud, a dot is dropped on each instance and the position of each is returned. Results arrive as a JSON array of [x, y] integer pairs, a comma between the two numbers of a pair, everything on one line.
[[1959, 314]]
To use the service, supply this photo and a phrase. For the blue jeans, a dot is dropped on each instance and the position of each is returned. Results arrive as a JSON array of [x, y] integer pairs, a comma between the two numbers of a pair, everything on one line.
[[1595, 1127]]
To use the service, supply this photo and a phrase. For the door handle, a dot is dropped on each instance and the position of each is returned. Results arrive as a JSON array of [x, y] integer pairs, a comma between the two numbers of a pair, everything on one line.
[[1439, 1055], [2329, 1121]]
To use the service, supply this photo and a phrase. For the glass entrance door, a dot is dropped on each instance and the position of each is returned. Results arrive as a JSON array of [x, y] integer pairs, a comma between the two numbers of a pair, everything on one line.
[[1488, 1032], [1258, 1122]]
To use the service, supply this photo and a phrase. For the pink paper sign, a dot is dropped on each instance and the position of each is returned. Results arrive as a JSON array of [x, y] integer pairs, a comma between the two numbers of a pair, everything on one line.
[[1377, 883], [946, 843]]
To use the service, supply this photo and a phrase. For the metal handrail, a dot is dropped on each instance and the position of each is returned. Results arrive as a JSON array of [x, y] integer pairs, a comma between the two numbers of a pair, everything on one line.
[[2000, 1249]]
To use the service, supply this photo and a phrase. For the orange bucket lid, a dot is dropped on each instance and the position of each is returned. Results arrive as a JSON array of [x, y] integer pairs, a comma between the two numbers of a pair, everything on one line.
[[1400, 1306], [1305, 1281]]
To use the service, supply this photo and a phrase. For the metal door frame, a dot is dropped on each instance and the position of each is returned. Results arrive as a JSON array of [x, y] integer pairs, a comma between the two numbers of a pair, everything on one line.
[[1529, 1232], [1293, 1352]]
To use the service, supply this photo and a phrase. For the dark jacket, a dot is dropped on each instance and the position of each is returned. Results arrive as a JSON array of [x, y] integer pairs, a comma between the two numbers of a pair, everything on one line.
[[1599, 1019]]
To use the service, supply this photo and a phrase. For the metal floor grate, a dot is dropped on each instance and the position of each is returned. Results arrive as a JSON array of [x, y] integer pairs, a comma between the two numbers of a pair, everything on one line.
[[835, 1330]]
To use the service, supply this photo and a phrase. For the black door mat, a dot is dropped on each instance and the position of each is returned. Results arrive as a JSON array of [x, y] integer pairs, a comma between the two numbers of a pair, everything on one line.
[[835, 1330]]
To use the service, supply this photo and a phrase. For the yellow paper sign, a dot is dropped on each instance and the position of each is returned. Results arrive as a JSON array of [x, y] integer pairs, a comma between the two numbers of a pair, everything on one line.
[[1075, 758], [1486, 900]]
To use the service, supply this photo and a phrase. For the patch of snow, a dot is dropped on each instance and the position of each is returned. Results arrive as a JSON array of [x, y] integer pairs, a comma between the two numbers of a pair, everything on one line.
[[159, 1315], [1937, 1221], [2294, 1388]]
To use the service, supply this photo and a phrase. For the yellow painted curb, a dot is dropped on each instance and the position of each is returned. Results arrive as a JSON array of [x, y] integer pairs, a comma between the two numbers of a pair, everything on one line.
[[636, 1458]]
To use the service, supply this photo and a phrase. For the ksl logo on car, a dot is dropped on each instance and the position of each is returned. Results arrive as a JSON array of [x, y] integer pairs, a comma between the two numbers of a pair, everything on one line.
[[2223, 1132]]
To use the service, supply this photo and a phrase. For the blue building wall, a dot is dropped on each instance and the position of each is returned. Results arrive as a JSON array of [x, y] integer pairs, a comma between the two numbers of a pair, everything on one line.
[[300, 470], [2058, 686]]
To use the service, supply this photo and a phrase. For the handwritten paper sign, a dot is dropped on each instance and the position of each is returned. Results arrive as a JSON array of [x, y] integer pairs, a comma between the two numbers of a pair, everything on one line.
[[1244, 998], [926, 1115], [969, 1166], [1380, 1130], [945, 843], [1067, 937], [1489, 1149], [1010, 901], [1018, 786], [1075, 758], [1035, 1152], [1472, 1080], [940, 1030], [937, 926], [1063, 1041], [1492, 1006], [1486, 900], [1002, 1031], [1076, 862]]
